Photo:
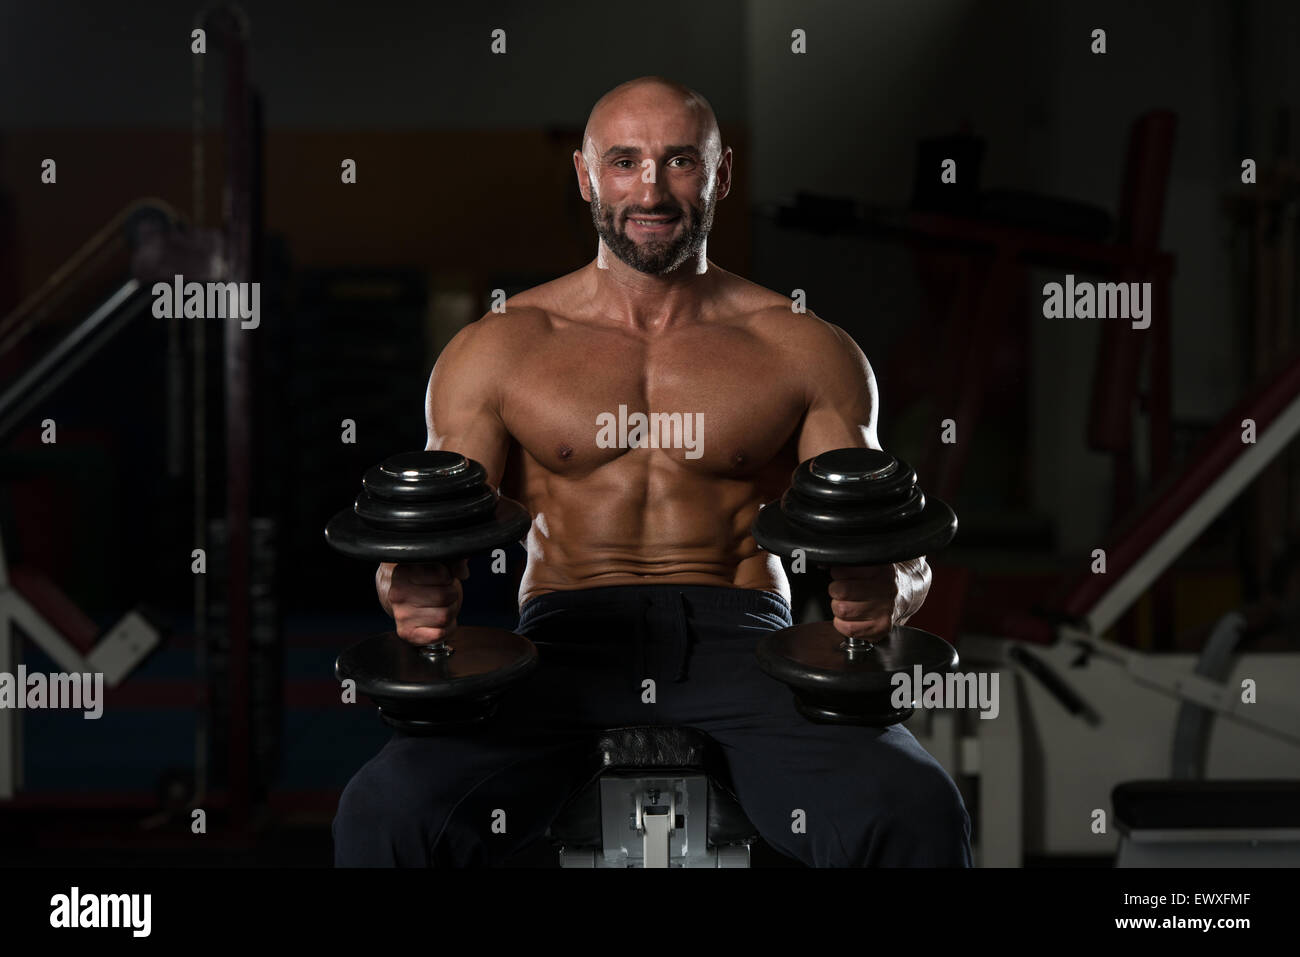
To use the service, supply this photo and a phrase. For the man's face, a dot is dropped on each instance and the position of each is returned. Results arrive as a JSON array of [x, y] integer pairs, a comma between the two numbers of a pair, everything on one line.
[[654, 184]]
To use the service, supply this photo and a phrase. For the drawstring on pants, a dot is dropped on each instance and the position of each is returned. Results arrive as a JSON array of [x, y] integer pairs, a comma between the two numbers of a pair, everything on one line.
[[681, 637]]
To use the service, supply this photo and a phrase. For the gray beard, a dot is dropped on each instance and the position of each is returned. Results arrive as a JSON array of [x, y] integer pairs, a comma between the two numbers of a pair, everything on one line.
[[654, 258]]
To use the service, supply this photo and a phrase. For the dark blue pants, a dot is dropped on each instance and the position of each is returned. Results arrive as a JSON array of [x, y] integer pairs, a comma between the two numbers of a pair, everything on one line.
[[868, 796]]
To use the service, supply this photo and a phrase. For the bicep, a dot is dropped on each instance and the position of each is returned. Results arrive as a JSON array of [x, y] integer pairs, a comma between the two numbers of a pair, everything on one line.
[[841, 396], [462, 407]]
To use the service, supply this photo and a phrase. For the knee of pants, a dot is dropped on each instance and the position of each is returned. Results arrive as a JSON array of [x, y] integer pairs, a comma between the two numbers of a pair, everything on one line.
[[921, 821], [906, 814], [388, 820]]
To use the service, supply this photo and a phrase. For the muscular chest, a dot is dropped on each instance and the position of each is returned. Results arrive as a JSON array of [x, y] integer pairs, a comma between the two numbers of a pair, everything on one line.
[[710, 399]]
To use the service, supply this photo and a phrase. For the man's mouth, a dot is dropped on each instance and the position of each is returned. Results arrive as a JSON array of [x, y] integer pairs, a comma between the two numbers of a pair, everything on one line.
[[653, 224]]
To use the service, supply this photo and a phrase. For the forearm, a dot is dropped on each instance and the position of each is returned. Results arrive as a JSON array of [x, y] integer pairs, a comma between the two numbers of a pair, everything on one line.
[[913, 578]]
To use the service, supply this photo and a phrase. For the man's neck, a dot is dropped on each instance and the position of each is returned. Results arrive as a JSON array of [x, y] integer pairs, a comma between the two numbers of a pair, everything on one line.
[[650, 302]]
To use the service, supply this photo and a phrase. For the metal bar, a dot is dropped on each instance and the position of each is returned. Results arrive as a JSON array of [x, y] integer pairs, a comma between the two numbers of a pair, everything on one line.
[[18, 612], [656, 840], [71, 352], [1271, 719], [238, 409], [1224, 835], [1279, 722], [11, 729], [23, 316], [1001, 783], [1184, 530]]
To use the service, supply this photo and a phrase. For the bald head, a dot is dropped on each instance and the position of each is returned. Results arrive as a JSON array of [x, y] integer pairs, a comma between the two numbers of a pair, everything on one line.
[[652, 96], [653, 167]]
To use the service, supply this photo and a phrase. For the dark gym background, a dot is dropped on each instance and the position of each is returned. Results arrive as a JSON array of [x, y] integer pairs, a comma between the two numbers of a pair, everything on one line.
[[465, 185]]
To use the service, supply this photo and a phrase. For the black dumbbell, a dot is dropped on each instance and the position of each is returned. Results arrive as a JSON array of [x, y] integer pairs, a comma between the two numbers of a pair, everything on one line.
[[852, 507], [433, 506]]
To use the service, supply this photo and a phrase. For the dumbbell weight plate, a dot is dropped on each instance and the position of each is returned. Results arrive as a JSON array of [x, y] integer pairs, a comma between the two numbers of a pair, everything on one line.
[[348, 533], [849, 507], [853, 475], [420, 476], [922, 534], [418, 692], [851, 518], [433, 505], [833, 686], [467, 508]]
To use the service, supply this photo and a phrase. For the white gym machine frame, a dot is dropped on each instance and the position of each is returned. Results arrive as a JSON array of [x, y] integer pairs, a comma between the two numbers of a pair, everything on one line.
[[993, 751], [118, 652]]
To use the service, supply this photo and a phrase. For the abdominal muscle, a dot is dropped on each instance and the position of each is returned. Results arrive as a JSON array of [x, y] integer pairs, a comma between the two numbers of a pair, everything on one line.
[[629, 524]]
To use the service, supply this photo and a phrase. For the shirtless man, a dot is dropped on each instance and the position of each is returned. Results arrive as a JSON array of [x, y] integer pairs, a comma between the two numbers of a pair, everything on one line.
[[640, 561]]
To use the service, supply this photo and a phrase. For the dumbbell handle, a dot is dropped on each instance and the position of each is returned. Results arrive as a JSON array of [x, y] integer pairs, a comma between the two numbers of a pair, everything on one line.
[[438, 648], [850, 645]]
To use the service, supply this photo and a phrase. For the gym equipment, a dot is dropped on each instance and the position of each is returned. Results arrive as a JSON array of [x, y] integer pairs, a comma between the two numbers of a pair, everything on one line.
[[659, 797], [32, 607], [852, 507], [161, 244], [1197, 823], [432, 506]]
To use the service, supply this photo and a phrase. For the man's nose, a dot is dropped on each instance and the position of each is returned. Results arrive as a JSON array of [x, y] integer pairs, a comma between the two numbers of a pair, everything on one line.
[[651, 190]]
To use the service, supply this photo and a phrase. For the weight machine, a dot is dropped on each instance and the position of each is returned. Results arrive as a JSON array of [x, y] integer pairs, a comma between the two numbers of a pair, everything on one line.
[[161, 243], [1185, 819]]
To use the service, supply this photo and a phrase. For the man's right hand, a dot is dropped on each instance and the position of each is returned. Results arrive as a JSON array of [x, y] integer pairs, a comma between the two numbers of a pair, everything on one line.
[[423, 599]]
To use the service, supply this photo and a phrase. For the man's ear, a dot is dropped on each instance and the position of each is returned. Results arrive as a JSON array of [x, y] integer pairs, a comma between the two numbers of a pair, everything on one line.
[[724, 174], [584, 176]]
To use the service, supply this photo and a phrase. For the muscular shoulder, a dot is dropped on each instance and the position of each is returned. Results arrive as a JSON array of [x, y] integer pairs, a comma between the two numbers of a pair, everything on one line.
[[808, 342], [496, 343], [829, 369], [472, 366], [822, 358], [769, 314], [496, 337]]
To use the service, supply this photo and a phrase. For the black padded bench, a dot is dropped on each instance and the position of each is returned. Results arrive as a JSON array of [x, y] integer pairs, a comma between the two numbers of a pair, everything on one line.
[[1208, 823]]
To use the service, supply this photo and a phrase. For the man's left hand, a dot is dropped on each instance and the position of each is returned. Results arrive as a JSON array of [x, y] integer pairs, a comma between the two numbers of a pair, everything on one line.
[[864, 600]]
